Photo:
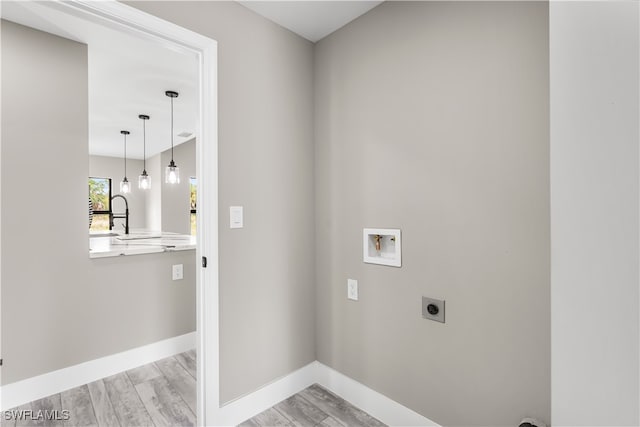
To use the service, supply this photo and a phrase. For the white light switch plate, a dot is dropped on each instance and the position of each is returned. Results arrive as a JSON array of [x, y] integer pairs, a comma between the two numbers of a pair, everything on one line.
[[236, 219], [177, 273], [352, 289]]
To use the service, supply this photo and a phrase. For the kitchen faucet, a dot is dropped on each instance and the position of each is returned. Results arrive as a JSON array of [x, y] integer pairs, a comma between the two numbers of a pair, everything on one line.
[[124, 216]]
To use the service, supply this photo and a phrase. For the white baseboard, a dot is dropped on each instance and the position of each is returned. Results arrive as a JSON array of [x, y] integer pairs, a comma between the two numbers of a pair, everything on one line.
[[243, 408], [21, 392], [375, 404]]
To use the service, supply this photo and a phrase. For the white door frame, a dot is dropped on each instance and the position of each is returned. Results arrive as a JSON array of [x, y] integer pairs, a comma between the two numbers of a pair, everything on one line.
[[133, 21]]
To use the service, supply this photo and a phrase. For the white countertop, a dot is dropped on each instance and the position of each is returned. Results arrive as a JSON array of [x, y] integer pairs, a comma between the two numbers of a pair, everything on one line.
[[138, 242]]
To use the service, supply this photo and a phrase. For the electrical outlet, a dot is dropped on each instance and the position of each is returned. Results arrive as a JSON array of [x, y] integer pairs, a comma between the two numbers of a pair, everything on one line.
[[433, 309], [177, 272], [352, 289]]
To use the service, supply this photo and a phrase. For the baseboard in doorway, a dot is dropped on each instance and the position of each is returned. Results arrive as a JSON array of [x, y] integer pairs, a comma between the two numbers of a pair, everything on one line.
[[21, 392], [377, 405], [243, 408]]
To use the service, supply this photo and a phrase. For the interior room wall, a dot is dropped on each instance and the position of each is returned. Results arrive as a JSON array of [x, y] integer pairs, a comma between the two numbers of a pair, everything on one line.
[[175, 204], [153, 197], [113, 167], [60, 308], [595, 48], [433, 117], [265, 120]]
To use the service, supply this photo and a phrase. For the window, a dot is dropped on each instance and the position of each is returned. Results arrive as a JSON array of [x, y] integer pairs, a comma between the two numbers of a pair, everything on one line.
[[100, 196], [193, 187]]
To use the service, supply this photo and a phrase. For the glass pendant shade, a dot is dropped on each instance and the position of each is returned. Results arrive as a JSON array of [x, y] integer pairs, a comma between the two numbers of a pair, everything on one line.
[[125, 186], [144, 181], [172, 174]]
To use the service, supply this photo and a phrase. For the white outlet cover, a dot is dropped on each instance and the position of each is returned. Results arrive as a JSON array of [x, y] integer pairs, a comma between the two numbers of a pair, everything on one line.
[[177, 272], [352, 289]]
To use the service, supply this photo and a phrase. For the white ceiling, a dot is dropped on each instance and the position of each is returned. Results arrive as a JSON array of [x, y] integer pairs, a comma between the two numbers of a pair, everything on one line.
[[128, 76], [313, 20]]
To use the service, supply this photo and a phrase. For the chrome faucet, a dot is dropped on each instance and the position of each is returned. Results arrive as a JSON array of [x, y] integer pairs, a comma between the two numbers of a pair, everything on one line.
[[124, 216]]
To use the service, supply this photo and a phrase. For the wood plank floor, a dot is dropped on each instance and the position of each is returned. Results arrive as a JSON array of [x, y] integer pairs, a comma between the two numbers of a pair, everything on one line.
[[162, 393], [313, 406]]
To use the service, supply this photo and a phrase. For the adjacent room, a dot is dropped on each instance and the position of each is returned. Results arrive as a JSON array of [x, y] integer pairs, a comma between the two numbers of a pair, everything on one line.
[[308, 213]]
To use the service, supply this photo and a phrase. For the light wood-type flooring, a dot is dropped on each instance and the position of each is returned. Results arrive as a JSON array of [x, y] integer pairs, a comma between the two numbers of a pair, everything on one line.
[[313, 406], [163, 393]]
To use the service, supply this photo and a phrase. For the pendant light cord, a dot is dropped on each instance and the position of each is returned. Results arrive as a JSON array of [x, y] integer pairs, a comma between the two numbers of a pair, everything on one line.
[[171, 129], [125, 155], [144, 145]]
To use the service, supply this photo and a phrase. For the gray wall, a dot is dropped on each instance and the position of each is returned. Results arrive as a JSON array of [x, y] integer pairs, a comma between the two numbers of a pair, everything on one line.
[[265, 104], [176, 211], [168, 204], [60, 308], [153, 197], [432, 117], [113, 167], [595, 48]]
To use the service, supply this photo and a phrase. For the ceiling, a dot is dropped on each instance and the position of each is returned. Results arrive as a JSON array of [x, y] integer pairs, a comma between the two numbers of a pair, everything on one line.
[[128, 76], [312, 20]]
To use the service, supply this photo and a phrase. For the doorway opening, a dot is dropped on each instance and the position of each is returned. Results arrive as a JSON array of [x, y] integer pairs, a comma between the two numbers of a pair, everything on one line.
[[202, 221]]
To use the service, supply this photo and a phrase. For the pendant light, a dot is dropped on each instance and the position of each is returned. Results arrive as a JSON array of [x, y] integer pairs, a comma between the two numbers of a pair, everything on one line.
[[125, 187], [144, 180], [172, 172]]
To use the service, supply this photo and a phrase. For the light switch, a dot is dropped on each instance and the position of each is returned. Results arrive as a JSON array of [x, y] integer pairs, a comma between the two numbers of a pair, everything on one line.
[[236, 217], [177, 273], [352, 289]]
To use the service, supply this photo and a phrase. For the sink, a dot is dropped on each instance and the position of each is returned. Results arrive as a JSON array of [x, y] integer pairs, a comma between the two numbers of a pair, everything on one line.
[[139, 236], [92, 235]]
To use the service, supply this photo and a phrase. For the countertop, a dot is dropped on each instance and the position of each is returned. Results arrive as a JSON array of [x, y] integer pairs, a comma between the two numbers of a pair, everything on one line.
[[137, 243]]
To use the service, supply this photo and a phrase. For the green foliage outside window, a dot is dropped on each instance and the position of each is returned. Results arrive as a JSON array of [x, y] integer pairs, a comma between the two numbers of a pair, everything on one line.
[[99, 189], [99, 193]]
